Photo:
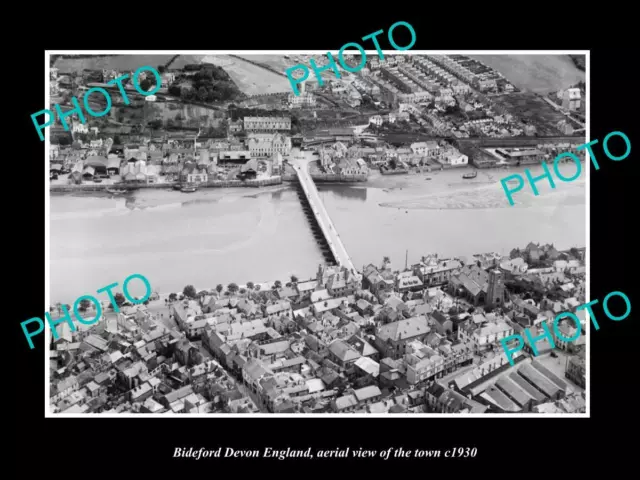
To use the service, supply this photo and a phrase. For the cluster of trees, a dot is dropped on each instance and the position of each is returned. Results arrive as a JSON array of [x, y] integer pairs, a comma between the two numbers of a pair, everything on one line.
[[207, 70], [64, 140], [190, 292], [209, 84], [149, 83], [218, 92], [215, 132], [93, 76], [86, 305], [237, 112]]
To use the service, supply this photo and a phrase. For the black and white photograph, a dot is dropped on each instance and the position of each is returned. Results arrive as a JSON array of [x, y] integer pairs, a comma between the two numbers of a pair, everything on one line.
[[232, 236]]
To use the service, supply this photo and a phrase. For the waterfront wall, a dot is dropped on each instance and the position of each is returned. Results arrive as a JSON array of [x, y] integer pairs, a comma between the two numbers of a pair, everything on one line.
[[328, 177], [211, 184]]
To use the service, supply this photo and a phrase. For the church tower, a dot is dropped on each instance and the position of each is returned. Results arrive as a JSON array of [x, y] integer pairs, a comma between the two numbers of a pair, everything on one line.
[[495, 291]]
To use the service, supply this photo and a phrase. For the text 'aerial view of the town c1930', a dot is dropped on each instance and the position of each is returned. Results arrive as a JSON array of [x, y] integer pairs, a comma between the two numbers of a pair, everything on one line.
[[346, 250]]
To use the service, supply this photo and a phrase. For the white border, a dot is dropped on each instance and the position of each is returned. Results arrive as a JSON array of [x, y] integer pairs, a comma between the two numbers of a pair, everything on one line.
[[47, 412]]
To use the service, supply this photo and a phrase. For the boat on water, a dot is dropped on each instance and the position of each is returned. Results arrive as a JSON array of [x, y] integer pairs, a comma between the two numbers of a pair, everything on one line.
[[116, 191], [177, 186], [188, 189], [470, 175]]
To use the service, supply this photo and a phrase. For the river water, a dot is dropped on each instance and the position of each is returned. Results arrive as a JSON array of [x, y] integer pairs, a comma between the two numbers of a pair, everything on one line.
[[238, 235]]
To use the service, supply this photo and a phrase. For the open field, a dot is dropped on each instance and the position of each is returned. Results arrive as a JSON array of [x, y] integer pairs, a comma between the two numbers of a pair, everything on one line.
[[263, 102], [116, 62], [249, 78], [277, 62], [183, 60], [533, 109], [535, 73]]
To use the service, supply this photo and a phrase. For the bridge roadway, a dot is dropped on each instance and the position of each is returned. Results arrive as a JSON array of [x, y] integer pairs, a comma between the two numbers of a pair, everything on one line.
[[338, 250]]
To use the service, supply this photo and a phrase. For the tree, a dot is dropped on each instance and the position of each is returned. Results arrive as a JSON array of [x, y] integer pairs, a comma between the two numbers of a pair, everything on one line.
[[119, 299], [250, 285], [219, 288], [187, 94], [147, 84], [232, 287], [202, 94], [277, 284], [257, 288], [243, 291], [189, 291], [84, 305], [173, 297], [294, 279]]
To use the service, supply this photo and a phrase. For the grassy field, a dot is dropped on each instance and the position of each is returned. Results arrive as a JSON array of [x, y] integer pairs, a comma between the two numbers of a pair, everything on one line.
[[535, 73], [274, 61], [249, 78], [183, 60], [116, 62]]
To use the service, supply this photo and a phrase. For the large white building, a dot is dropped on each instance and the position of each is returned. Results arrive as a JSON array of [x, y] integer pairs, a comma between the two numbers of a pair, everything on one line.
[[266, 144], [267, 124], [486, 335], [454, 158], [571, 99], [303, 100]]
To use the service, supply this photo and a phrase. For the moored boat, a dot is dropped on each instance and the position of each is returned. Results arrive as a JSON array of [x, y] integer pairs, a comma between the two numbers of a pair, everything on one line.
[[116, 191], [189, 189], [473, 174]]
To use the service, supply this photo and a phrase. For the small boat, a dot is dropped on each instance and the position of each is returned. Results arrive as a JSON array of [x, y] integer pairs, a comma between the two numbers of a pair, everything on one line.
[[97, 180], [470, 175], [428, 178], [116, 191], [189, 189], [177, 186]]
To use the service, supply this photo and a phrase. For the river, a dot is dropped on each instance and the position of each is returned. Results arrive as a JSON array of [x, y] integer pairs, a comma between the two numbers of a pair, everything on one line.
[[238, 235]]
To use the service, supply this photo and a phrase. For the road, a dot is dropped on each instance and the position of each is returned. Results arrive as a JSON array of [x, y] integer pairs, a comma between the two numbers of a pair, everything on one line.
[[561, 110], [343, 259]]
